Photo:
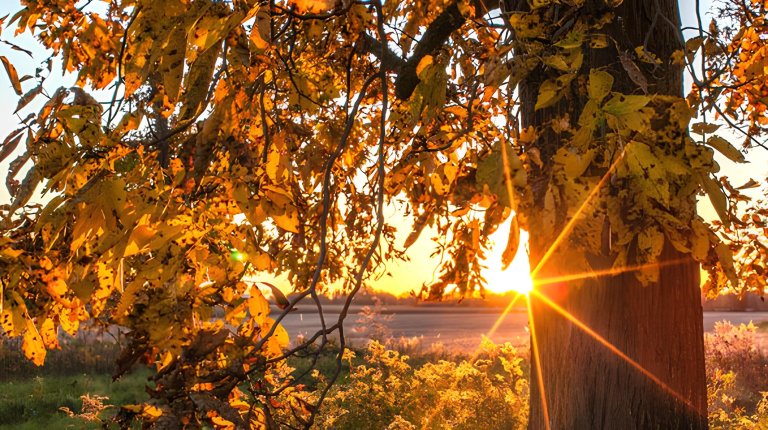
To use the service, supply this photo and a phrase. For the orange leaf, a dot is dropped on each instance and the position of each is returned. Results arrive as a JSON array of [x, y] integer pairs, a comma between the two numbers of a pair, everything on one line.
[[12, 74]]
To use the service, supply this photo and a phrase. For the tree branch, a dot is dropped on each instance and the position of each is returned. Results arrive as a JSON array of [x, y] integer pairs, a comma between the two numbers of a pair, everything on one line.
[[436, 35]]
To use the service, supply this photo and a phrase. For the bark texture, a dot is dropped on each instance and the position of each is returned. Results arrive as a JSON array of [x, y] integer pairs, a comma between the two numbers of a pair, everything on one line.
[[586, 386]]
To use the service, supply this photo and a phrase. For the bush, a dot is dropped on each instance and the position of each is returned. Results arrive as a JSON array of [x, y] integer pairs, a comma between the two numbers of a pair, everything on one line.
[[386, 392], [736, 372]]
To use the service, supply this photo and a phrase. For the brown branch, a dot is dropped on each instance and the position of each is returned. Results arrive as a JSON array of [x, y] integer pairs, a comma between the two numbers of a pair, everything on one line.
[[436, 35]]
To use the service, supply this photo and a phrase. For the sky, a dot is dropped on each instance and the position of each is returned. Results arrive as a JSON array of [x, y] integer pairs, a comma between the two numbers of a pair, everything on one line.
[[406, 276]]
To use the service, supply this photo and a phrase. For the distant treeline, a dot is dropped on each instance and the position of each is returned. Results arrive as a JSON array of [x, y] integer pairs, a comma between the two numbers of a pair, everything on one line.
[[371, 298], [730, 302]]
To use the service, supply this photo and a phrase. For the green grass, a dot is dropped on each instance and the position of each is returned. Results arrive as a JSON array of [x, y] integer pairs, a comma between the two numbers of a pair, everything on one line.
[[34, 403]]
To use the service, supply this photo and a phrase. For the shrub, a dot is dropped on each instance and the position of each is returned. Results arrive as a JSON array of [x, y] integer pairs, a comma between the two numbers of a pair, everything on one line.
[[736, 373], [387, 392]]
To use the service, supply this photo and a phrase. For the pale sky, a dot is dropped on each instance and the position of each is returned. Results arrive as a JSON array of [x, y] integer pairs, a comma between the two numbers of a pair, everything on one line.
[[406, 275]]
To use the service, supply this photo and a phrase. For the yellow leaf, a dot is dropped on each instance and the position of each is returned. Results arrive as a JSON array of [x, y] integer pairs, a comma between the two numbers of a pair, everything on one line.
[[574, 162], [281, 337], [10, 253], [313, 6], [277, 162], [643, 163], [49, 334], [423, 64], [222, 424], [289, 220], [551, 91], [260, 33], [197, 82], [600, 84], [132, 408], [574, 39], [556, 62], [650, 242], [140, 237], [258, 306], [55, 283], [69, 322], [725, 148], [130, 121], [6, 320], [725, 257], [171, 66], [621, 105], [260, 260], [526, 25], [32, 344], [699, 240], [151, 412], [598, 41], [717, 197]]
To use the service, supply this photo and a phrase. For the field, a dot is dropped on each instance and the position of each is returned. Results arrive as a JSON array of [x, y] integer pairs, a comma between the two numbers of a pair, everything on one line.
[[389, 383]]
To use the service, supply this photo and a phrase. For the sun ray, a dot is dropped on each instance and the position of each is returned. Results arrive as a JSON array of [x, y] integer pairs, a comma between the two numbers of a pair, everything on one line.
[[576, 216], [537, 363], [605, 272], [501, 317], [601, 340]]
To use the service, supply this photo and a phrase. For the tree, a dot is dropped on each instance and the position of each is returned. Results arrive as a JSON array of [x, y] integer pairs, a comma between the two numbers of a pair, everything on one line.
[[653, 316], [249, 138]]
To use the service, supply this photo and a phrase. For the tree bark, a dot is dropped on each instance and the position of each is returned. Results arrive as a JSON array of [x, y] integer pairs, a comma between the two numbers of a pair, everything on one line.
[[584, 384]]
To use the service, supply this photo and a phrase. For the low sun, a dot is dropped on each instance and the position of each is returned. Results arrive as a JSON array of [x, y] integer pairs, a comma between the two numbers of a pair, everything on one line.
[[517, 276]]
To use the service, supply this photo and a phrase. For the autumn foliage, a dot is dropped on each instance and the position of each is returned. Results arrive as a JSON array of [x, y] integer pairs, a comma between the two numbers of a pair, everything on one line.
[[207, 146]]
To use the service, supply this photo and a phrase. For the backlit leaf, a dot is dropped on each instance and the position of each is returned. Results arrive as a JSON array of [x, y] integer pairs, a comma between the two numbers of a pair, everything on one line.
[[717, 197], [513, 243], [12, 74], [32, 344], [725, 148]]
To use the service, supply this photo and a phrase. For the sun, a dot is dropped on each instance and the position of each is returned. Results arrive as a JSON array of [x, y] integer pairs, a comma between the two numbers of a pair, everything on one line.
[[517, 276]]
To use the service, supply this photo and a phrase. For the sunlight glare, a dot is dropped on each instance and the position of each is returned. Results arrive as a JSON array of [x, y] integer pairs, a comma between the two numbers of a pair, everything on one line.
[[516, 277], [537, 363], [604, 342]]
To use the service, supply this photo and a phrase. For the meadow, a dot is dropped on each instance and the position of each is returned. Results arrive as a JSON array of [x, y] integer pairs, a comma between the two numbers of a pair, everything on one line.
[[393, 383]]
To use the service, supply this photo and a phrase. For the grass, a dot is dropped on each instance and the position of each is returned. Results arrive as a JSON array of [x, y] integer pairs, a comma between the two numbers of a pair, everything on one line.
[[34, 403]]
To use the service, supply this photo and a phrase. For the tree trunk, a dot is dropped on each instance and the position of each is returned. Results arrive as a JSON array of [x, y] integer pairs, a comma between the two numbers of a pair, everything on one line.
[[659, 327]]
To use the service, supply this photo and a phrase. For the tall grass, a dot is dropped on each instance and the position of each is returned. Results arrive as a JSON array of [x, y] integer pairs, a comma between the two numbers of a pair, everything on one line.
[[392, 384]]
